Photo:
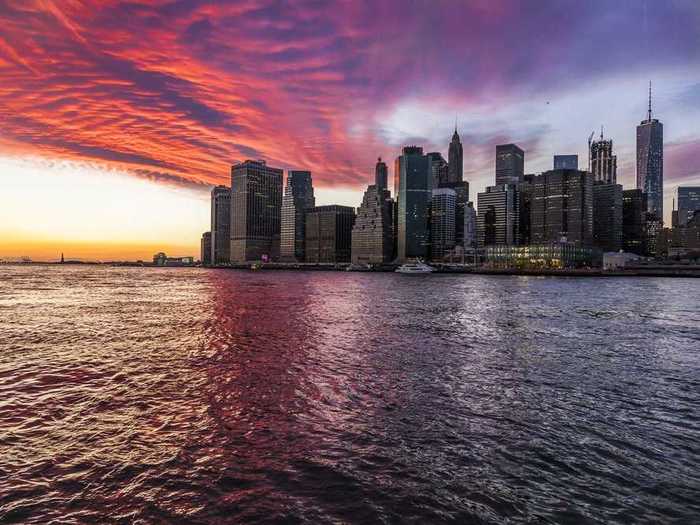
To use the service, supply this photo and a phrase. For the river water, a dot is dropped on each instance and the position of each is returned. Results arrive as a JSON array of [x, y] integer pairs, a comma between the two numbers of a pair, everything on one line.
[[133, 395]]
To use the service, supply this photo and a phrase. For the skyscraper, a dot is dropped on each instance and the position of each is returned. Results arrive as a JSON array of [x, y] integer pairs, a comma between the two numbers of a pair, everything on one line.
[[650, 162], [497, 216], [442, 223], [565, 162], [603, 162], [220, 225], [634, 213], [688, 200], [438, 168], [381, 174], [510, 164], [298, 197], [373, 232], [329, 233], [256, 203], [562, 208], [607, 216], [470, 227], [205, 256], [414, 183], [455, 159]]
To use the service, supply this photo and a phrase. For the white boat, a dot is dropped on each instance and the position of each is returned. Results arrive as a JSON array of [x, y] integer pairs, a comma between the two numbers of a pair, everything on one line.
[[415, 268]]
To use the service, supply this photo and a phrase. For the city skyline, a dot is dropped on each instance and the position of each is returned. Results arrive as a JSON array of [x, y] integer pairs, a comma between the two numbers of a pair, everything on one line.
[[154, 129]]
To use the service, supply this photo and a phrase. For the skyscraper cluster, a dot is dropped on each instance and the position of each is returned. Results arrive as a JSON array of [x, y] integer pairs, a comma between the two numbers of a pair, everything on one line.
[[565, 210]]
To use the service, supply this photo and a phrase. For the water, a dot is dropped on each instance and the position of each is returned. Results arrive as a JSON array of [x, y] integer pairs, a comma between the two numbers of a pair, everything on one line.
[[194, 396]]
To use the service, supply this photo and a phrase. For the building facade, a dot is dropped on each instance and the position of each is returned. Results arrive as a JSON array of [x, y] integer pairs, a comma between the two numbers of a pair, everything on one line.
[[497, 221], [373, 231], [688, 200], [205, 249], [634, 206], [442, 222], [470, 237], [650, 162], [438, 168], [562, 208], [329, 234], [381, 175], [607, 216], [603, 162], [455, 159], [256, 205], [461, 190], [548, 255], [565, 162], [414, 188], [298, 197], [220, 225], [510, 164]]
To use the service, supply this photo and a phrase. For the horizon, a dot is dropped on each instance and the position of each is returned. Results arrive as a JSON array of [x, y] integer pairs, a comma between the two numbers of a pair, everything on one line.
[[113, 138]]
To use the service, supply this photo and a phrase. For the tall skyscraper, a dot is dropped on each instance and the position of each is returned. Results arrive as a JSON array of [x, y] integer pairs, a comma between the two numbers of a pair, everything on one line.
[[329, 233], [461, 190], [256, 204], [442, 223], [455, 159], [565, 162], [298, 197], [525, 193], [438, 168], [414, 183], [470, 227], [562, 208], [650, 162], [603, 162], [373, 232], [205, 255], [607, 216], [220, 225], [634, 205], [510, 164], [381, 175], [688, 200], [497, 216]]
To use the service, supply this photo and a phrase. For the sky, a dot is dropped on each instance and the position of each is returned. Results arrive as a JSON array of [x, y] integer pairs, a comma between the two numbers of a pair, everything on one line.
[[117, 117]]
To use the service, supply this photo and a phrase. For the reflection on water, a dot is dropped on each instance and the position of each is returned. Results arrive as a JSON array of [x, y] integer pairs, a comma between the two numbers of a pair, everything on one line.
[[196, 396]]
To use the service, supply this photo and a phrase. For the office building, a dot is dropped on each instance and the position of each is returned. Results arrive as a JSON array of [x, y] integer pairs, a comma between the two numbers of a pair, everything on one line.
[[442, 223], [470, 238], [562, 208], [603, 162], [461, 190], [205, 249], [438, 168], [256, 205], [381, 175], [650, 162], [607, 216], [414, 190], [565, 162], [455, 159], [298, 197], [634, 213], [373, 232], [220, 225], [497, 220], [510, 164], [525, 192], [328, 236], [688, 201]]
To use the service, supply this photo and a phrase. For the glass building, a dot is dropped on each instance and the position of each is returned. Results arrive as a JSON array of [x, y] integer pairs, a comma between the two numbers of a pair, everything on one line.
[[565, 162], [607, 216], [298, 197], [413, 183], [256, 204], [442, 222], [688, 200], [634, 205], [650, 162], [497, 219], [510, 164], [220, 225]]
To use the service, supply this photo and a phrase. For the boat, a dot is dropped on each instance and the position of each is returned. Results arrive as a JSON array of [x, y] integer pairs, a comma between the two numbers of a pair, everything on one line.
[[417, 267]]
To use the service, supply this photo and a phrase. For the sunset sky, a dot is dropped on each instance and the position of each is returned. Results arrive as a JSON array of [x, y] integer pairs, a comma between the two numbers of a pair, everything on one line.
[[117, 117]]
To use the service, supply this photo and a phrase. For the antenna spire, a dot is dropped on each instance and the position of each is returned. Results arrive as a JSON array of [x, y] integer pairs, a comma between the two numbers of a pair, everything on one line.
[[601, 132], [649, 112]]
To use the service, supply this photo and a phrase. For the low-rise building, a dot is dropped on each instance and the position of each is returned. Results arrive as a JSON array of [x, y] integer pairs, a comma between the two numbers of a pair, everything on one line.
[[549, 255]]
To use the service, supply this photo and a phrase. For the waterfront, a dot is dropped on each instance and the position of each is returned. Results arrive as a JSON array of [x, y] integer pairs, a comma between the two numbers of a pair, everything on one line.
[[193, 395]]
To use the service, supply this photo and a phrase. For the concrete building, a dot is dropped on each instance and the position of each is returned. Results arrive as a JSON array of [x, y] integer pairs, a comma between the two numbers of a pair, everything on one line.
[[565, 162], [298, 197], [220, 225], [205, 249], [497, 221], [607, 216], [329, 234], [603, 162], [373, 232], [562, 208], [510, 164], [442, 223], [256, 205], [650, 162], [455, 159], [413, 181]]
